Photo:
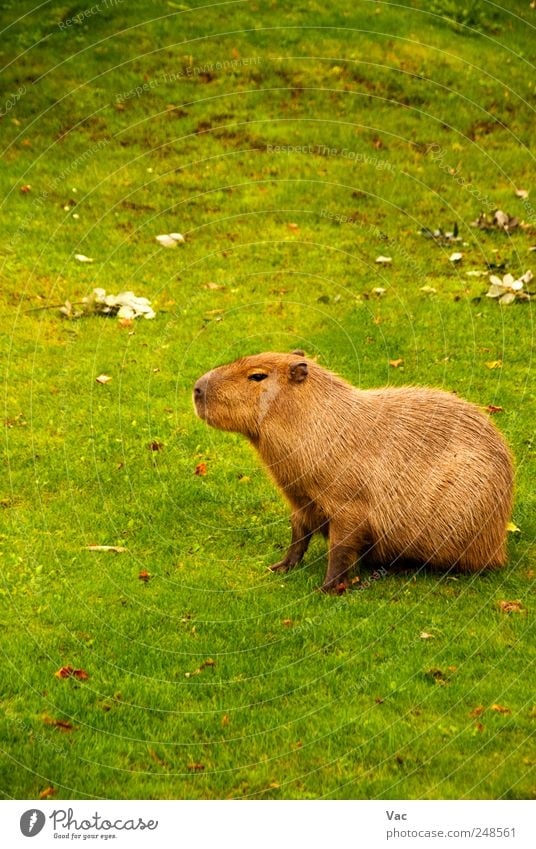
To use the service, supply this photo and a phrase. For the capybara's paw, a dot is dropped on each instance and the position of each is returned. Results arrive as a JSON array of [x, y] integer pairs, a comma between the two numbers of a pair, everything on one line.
[[282, 566], [334, 589]]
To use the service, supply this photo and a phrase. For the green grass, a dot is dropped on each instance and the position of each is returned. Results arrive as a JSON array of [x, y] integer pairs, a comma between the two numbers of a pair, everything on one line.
[[309, 696]]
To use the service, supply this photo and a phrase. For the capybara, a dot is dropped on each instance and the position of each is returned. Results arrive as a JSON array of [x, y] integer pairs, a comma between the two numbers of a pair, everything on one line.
[[393, 474]]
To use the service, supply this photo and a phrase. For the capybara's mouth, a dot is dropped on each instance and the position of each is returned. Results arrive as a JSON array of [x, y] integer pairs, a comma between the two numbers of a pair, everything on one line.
[[199, 398], [200, 407]]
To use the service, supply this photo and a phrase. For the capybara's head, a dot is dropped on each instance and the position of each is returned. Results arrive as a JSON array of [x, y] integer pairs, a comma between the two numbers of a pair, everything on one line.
[[239, 396]]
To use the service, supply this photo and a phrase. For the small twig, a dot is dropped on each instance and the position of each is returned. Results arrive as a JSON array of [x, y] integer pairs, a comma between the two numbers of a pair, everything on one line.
[[53, 306]]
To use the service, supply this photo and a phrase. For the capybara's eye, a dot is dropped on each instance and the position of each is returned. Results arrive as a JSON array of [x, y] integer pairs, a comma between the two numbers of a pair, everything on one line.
[[257, 377]]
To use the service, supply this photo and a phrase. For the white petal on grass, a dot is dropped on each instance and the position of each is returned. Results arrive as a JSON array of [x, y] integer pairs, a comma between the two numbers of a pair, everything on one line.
[[132, 306], [166, 241], [507, 298], [125, 304], [170, 240], [83, 258], [495, 292], [501, 218], [508, 289], [522, 193], [384, 260], [456, 256], [379, 290], [126, 312]]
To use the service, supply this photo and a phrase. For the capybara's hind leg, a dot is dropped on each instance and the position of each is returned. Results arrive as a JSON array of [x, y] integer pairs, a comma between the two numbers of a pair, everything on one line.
[[470, 563], [486, 551]]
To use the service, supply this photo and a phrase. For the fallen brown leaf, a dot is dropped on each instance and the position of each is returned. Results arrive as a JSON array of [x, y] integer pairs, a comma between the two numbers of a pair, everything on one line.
[[478, 711], [491, 408], [201, 469], [144, 576], [510, 606], [155, 445], [62, 724], [287, 622], [293, 226], [494, 364], [69, 672], [208, 662], [47, 792], [225, 721], [396, 363], [500, 709], [479, 727], [25, 189], [196, 767]]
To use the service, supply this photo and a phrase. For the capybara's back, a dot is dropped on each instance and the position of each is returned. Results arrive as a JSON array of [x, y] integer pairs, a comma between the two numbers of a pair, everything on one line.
[[397, 473], [439, 479]]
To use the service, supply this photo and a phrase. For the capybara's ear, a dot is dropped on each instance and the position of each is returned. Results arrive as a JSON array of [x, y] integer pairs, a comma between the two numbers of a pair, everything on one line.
[[299, 353], [297, 372]]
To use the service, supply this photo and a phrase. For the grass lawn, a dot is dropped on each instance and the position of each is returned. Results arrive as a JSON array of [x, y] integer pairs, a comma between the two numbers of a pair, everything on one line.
[[291, 144]]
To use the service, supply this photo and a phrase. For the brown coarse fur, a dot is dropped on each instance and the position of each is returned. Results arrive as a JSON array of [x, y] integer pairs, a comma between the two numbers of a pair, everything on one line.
[[388, 474]]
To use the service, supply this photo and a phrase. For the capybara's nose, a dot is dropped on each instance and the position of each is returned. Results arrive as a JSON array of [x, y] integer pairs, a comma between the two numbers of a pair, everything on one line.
[[200, 389]]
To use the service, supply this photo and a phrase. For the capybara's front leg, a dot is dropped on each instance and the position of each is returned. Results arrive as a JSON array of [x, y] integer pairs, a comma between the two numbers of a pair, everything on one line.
[[301, 537], [341, 559], [344, 549]]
